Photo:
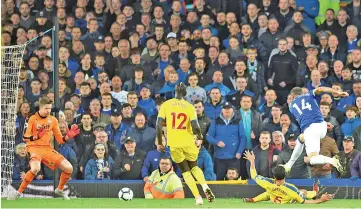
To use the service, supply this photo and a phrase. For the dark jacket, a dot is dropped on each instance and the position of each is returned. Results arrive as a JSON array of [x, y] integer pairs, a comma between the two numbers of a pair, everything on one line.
[[20, 165], [144, 137], [204, 123], [256, 126], [84, 139], [335, 133], [262, 52], [213, 111], [356, 166], [271, 151], [151, 161], [346, 161], [270, 40], [135, 162], [357, 137], [232, 135], [112, 150], [117, 135], [300, 170], [91, 169]]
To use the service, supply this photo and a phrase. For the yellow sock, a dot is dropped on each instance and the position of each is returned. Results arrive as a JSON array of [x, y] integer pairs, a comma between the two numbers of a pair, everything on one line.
[[188, 178], [311, 194], [198, 174], [262, 197]]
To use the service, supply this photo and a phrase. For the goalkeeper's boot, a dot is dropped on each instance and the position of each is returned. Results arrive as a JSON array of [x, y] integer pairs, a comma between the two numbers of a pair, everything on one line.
[[14, 195], [199, 200], [248, 200], [336, 163], [61, 194], [287, 168], [209, 195]]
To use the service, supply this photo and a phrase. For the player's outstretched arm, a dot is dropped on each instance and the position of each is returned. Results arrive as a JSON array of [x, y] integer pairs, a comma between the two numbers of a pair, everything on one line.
[[324, 198], [251, 158], [321, 90]]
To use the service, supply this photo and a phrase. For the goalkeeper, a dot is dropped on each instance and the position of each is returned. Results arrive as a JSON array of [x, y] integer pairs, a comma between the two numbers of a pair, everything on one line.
[[278, 190], [37, 138]]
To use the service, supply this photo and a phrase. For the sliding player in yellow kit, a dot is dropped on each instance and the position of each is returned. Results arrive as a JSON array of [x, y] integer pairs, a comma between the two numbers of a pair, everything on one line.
[[277, 189], [182, 124]]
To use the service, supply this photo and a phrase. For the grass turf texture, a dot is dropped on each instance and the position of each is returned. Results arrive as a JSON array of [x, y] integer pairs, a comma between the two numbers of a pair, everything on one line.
[[142, 203]]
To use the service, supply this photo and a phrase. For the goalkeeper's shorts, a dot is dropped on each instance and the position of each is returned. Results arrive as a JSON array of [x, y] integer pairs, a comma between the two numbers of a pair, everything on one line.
[[179, 154], [47, 155]]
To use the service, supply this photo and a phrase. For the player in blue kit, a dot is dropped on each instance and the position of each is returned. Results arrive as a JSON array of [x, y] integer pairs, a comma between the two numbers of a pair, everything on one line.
[[304, 108]]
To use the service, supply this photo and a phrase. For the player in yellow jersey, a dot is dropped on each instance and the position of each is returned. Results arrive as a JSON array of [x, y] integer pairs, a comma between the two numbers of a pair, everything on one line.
[[182, 124], [277, 189]]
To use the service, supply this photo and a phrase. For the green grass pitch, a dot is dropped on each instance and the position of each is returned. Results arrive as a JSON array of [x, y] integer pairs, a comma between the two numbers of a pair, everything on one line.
[[143, 203]]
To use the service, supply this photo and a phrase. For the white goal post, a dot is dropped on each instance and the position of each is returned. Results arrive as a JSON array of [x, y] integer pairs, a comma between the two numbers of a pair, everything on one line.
[[11, 62]]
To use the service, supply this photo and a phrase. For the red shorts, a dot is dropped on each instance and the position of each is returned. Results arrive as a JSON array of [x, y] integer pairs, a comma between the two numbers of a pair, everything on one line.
[[46, 155]]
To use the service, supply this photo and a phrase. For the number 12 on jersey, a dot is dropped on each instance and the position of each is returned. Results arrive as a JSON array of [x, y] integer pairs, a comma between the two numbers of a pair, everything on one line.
[[304, 105], [182, 117]]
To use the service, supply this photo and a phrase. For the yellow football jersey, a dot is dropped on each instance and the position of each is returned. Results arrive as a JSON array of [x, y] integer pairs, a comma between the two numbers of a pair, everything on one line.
[[286, 193], [178, 115]]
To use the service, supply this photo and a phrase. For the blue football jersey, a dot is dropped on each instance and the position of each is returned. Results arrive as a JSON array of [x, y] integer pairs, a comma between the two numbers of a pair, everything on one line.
[[306, 111]]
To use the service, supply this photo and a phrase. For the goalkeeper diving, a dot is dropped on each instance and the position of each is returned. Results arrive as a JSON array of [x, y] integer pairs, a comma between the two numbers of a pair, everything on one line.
[[41, 125], [278, 190]]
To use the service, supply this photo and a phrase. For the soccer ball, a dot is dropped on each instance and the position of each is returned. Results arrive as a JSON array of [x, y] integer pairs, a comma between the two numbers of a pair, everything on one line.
[[125, 194]]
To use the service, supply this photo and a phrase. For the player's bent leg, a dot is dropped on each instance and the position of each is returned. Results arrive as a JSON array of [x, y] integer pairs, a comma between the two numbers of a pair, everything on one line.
[[67, 169], [198, 174], [188, 178], [262, 197]]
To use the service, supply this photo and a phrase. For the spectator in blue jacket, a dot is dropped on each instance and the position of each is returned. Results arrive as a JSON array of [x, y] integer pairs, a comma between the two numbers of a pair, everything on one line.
[[310, 10], [213, 106], [167, 91], [227, 134], [205, 162], [356, 88], [147, 103], [218, 82], [351, 123], [100, 166], [117, 131], [143, 135], [21, 163]]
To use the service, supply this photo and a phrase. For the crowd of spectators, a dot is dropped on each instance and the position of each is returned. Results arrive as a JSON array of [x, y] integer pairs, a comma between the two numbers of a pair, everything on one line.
[[121, 59]]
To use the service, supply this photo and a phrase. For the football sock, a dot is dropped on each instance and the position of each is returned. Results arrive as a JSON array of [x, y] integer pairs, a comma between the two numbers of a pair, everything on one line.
[[198, 174], [188, 178], [320, 159], [297, 151], [311, 194], [64, 177], [29, 176], [262, 197]]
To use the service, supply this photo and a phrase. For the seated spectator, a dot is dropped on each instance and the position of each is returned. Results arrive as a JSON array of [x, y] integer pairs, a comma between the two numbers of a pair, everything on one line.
[[227, 134], [146, 102], [213, 106], [273, 124], [142, 134], [128, 164], [333, 128], [194, 91], [205, 162], [232, 174], [301, 169], [265, 108], [278, 140], [347, 157], [116, 130], [21, 162], [265, 154], [163, 183], [100, 166], [328, 148], [351, 122], [287, 126]]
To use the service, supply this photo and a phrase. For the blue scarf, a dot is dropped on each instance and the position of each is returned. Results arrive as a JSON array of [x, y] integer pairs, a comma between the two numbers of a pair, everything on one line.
[[252, 69]]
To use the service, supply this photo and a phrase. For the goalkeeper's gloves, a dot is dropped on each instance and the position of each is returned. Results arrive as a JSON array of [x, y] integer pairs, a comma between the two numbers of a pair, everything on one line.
[[74, 131], [148, 196], [353, 178], [248, 200], [38, 131]]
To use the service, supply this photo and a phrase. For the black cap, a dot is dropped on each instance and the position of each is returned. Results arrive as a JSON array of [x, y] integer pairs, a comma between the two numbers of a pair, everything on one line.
[[151, 37], [116, 112], [129, 139], [292, 137], [41, 47], [77, 95], [100, 39], [99, 125], [227, 105], [348, 138], [312, 46]]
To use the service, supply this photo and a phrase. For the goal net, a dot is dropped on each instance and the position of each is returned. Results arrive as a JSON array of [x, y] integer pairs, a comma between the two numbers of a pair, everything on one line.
[[11, 61]]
